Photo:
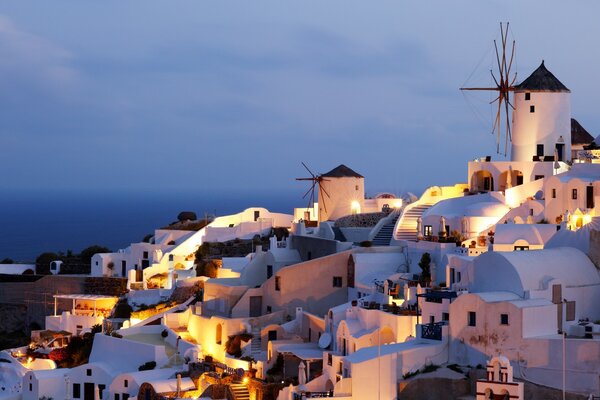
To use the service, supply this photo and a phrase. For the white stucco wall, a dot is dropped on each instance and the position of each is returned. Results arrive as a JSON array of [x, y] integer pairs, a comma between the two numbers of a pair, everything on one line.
[[551, 120]]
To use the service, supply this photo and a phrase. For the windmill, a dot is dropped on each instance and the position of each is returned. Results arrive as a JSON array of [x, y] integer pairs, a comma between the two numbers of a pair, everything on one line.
[[316, 181], [504, 85]]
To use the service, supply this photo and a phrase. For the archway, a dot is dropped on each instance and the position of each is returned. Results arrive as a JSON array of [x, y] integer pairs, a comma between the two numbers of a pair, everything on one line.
[[329, 386], [386, 335], [482, 181], [219, 334], [516, 179]]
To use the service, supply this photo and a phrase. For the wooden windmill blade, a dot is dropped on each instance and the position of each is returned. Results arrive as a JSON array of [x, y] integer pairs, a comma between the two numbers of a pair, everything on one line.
[[504, 85], [315, 180], [321, 192]]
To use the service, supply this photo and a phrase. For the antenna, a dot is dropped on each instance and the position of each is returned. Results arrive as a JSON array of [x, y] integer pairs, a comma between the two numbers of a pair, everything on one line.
[[504, 85]]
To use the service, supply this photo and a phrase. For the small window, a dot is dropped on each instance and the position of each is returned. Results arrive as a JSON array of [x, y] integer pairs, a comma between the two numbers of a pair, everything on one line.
[[269, 309], [538, 177], [570, 311], [428, 230], [88, 372], [329, 359], [539, 150], [356, 187], [278, 283], [432, 319], [145, 254], [31, 387], [527, 96], [126, 383], [117, 396], [101, 388], [574, 194], [445, 316], [531, 109], [269, 271], [76, 391], [521, 248], [503, 319], [553, 193], [337, 281], [472, 318]]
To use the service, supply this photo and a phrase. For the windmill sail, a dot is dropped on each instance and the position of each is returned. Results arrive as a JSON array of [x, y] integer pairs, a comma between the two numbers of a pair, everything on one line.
[[504, 85]]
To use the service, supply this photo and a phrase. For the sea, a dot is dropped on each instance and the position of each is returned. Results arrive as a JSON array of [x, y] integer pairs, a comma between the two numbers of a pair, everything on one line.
[[35, 222]]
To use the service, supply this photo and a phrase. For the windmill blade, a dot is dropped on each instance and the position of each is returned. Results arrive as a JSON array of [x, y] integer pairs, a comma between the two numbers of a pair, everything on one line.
[[493, 101], [498, 60], [508, 131], [495, 80], [512, 56], [309, 171], [322, 198], [312, 188], [322, 188]]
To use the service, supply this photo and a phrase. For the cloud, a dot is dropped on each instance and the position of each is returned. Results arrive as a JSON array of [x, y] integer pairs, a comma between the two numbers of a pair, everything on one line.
[[28, 59]]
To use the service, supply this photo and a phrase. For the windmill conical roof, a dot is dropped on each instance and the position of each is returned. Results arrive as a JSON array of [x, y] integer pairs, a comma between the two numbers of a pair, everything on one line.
[[341, 171], [579, 135], [542, 80]]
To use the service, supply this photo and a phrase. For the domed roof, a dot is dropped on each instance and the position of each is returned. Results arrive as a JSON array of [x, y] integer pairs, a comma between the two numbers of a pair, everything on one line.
[[541, 80]]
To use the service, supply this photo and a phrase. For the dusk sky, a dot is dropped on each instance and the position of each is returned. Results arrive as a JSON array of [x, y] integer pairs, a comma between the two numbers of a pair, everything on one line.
[[188, 95]]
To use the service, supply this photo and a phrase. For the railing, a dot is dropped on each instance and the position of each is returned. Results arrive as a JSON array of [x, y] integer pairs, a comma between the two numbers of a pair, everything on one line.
[[432, 331], [312, 395]]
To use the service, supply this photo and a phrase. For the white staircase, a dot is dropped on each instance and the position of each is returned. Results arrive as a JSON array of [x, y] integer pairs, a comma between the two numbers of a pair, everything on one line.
[[384, 236], [406, 228]]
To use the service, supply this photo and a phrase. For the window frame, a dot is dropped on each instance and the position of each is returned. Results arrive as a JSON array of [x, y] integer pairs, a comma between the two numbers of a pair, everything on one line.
[[471, 318]]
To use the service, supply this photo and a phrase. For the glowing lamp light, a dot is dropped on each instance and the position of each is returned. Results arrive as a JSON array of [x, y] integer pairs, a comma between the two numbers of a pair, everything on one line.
[[355, 206], [245, 380], [587, 219], [397, 203]]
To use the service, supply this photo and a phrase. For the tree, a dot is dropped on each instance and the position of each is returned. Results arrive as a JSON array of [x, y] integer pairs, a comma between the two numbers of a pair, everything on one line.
[[87, 253], [7, 261], [187, 216], [42, 262], [425, 265], [207, 268]]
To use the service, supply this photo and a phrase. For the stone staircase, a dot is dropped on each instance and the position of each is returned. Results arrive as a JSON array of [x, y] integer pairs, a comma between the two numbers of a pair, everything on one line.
[[256, 345], [240, 391], [407, 227], [384, 236]]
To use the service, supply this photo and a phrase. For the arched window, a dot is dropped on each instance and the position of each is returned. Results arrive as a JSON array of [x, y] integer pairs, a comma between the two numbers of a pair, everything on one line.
[[219, 333]]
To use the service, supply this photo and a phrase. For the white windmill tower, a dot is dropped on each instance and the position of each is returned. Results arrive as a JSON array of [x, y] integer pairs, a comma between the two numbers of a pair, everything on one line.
[[541, 118], [541, 113]]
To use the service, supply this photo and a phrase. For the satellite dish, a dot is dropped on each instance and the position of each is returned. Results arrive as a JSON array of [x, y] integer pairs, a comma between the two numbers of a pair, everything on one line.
[[325, 340]]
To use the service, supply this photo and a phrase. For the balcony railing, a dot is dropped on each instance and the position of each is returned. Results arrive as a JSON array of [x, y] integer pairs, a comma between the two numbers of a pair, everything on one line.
[[432, 331]]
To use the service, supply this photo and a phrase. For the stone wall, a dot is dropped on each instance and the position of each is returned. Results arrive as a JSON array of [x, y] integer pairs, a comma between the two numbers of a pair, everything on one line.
[[35, 299]]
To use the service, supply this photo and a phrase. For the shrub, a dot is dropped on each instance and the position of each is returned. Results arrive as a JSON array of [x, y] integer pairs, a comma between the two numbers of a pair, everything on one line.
[[187, 216], [59, 356], [42, 262], [7, 261], [87, 253], [122, 310], [147, 366], [425, 265]]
